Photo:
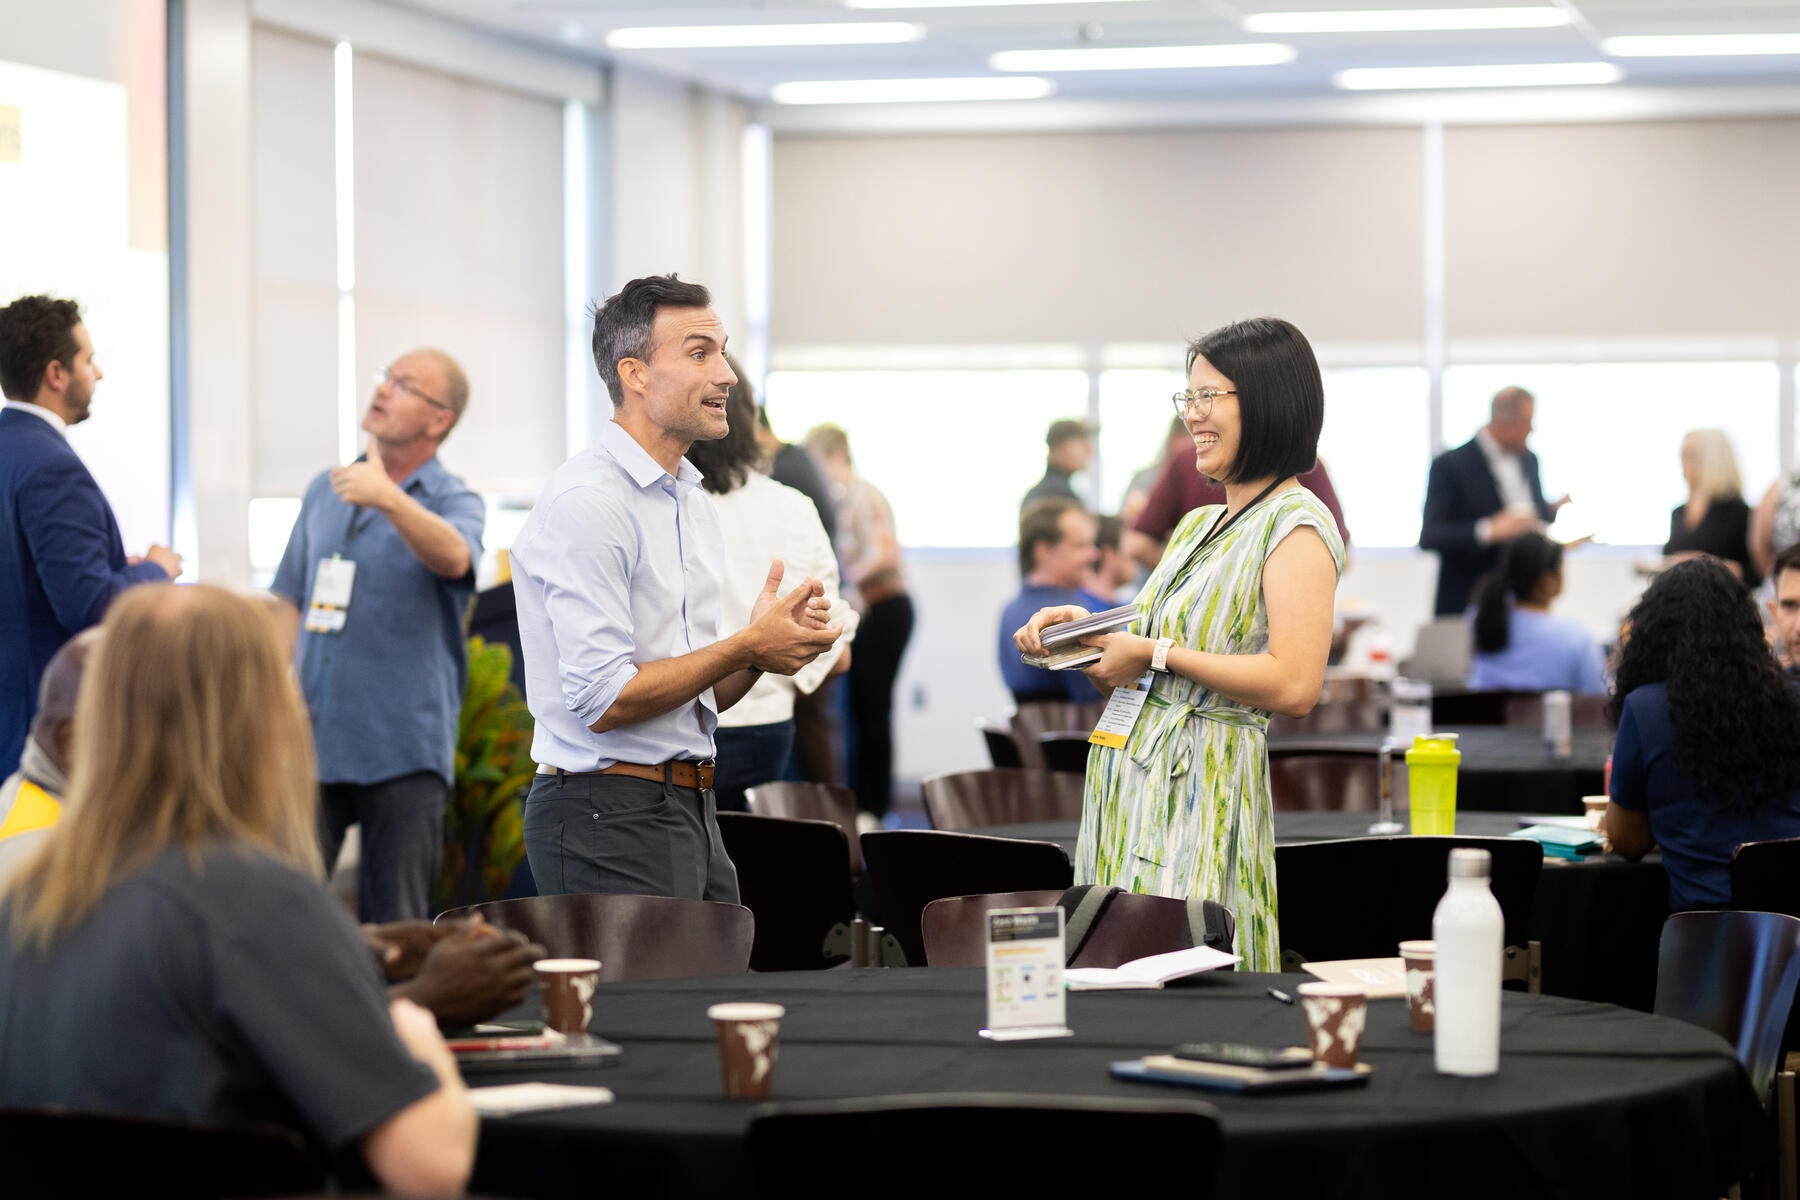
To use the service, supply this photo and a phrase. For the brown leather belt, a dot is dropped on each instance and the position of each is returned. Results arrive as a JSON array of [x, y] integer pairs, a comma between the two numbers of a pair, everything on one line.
[[698, 775]]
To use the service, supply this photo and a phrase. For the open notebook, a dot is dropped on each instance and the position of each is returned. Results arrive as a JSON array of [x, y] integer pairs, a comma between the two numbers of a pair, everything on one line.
[[1151, 972]]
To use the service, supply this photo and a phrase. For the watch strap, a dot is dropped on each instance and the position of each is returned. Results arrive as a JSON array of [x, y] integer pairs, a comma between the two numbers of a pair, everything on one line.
[[1159, 657]]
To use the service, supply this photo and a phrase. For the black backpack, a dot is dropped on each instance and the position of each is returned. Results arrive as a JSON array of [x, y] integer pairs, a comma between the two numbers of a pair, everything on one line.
[[1209, 922]]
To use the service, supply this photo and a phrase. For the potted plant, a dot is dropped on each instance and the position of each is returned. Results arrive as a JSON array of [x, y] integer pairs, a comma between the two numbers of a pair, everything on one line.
[[484, 832]]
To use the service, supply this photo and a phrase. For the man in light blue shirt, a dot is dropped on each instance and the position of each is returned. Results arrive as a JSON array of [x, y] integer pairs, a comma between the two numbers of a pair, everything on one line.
[[617, 576], [381, 656]]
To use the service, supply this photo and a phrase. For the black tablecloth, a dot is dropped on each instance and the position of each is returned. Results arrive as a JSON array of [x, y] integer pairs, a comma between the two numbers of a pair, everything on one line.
[[1504, 769], [1591, 1101], [1599, 920]]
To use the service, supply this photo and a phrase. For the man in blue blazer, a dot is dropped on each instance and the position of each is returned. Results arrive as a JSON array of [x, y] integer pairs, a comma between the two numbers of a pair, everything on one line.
[[1482, 495], [61, 558]]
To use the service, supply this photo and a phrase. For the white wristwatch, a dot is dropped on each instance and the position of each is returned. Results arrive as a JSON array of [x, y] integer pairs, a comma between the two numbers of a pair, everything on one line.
[[1159, 657]]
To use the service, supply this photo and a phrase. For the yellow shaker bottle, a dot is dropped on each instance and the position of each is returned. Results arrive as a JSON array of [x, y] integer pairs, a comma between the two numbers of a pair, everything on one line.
[[1431, 778]]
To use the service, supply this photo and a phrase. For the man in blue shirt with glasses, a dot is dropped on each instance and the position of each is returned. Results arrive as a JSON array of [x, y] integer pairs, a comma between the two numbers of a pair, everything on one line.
[[381, 568]]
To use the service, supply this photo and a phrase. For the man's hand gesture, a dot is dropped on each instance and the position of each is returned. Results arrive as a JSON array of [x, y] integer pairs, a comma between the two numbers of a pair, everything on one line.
[[366, 483], [787, 632]]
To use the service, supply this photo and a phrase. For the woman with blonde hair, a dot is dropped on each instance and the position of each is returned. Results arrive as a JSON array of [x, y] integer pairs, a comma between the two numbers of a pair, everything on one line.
[[1715, 520], [169, 949]]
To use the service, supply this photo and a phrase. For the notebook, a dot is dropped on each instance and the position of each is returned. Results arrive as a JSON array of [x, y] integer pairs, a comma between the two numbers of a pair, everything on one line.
[[1223, 1077], [1062, 643], [545, 1050], [1151, 972]]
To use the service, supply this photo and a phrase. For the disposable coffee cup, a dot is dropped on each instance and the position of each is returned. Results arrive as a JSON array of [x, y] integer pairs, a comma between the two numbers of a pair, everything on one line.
[[569, 985], [749, 1036], [1421, 971], [1335, 1013], [1594, 807]]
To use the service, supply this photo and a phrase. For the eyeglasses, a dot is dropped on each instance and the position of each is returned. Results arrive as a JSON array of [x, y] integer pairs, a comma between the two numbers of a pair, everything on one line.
[[1199, 401], [402, 383]]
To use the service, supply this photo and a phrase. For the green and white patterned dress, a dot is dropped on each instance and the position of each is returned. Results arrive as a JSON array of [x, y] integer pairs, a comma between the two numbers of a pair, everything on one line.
[[1184, 808]]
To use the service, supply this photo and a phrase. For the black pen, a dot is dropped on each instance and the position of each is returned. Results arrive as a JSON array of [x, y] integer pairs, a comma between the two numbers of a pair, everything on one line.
[[1278, 994]]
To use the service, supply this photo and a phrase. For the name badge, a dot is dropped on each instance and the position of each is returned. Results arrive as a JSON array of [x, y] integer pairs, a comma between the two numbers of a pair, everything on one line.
[[331, 595], [1120, 715]]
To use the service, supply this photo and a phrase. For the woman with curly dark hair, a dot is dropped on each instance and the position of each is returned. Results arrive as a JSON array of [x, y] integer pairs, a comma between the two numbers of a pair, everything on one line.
[[1708, 750]]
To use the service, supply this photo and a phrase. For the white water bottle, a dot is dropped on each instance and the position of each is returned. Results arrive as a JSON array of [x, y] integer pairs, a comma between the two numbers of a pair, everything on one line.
[[1470, 936]]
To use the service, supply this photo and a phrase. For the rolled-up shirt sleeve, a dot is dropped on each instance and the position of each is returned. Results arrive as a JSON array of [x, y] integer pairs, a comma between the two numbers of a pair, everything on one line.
[[587, 598]]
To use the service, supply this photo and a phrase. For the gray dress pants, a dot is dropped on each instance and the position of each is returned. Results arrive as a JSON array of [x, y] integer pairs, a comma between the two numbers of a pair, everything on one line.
[[619, 835]]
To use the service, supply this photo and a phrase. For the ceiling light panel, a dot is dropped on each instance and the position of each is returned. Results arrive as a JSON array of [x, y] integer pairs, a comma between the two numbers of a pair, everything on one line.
[[911, 91], [972, 3], [1361, 79], [698, 37], [1701, 45], [1143, 58], [1396, 20]]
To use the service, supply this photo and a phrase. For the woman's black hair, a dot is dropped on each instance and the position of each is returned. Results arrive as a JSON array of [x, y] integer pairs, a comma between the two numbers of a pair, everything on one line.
[[727, 462], [1281, 399], [1523, 562], [1736, 716]]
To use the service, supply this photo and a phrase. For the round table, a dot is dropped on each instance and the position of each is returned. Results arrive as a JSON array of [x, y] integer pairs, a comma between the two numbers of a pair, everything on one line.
[[1599, 920], [1591, 1100], [1504, 768]]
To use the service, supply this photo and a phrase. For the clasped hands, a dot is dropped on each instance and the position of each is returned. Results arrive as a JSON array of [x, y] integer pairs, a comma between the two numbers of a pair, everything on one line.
[[462, 971], [1123, 656], [787, 632]]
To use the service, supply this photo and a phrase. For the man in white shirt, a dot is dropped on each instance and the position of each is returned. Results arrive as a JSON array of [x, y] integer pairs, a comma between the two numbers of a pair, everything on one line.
[[1480, 496], [617, 578]]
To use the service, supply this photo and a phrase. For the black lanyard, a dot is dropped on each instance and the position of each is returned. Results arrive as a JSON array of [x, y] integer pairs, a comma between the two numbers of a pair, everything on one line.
[[1226, 519]]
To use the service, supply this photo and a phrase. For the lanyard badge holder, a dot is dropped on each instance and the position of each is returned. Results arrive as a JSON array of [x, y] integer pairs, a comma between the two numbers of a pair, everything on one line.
[[330, 603]]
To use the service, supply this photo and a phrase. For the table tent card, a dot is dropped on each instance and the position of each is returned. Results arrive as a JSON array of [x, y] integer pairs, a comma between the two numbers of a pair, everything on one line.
[[1025, 974]]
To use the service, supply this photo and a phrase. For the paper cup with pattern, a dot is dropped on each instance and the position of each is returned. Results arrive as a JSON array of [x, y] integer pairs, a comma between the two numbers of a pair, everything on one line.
[[1335, 1013], [749, 1036], [1420, 959], [569, 985]]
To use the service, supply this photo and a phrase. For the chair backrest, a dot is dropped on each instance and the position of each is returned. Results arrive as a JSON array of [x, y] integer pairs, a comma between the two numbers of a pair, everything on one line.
[[1035, 718], [1001, 796], [793, 877], [1324, 780], [1335, 716], [1442, 650], [955, 928], [1067, 752], [1765, 876], [948, 1143], [1135, 926], [634, 937], [810, 802], [1449, 709], [1733, 973], [909, 868], [55, 1151], [1002, 750], [1362, 897], [1525, 710]]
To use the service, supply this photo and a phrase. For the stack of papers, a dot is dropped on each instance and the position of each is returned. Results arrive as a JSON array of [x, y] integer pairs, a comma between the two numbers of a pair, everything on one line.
[[1379, 978], [1561, 842], [1062, 643], [1151, 972], [510, 1098]]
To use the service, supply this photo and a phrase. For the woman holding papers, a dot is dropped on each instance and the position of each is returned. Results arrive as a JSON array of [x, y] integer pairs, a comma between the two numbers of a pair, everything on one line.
[[1707, 755], [1233, 625]]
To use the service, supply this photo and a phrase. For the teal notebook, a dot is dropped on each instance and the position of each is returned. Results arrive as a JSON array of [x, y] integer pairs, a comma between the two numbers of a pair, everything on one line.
[[1560, 842]]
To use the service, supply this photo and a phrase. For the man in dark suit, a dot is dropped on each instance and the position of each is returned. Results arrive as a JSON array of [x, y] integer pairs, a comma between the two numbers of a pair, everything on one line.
[[1480, 496], [61, 558]]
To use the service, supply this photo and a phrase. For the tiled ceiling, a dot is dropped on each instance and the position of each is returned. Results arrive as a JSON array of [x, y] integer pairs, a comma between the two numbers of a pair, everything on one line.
[[958, 41]]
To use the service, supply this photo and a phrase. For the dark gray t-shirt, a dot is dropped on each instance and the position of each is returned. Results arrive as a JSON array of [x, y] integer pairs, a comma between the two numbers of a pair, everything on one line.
[[238, 991]]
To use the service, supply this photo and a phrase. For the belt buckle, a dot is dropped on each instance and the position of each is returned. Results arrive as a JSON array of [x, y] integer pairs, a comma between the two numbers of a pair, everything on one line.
[[703, 773]]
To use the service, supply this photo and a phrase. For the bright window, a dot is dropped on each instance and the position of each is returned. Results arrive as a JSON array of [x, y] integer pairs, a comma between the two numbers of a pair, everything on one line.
[[1609, 434], [1376, 447], [1134, 424], [953, 451]]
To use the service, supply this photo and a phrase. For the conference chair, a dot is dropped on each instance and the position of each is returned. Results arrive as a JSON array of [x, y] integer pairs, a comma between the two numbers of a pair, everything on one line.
[[634, 937], [968, 1144], [1002, 750], [1001, 796], [1362, 897], [1525, 710], [954, 929], [1450, 709], [1035, 718], [909, 868], [1321, 780], [1442, 650], [1765, 876], [56, 1151], [793, 877], [810, 802], [1735, 973], [1066, 752]]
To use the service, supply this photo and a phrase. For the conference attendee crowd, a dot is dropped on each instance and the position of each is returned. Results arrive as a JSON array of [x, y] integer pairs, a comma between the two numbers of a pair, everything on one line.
[[704, 608]]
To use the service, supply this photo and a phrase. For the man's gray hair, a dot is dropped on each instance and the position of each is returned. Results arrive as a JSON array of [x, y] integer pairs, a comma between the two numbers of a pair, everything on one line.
[[1509, 403], [625, 324]]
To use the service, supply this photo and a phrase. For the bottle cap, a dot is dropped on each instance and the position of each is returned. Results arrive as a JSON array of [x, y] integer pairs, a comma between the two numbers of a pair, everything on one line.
[[1470, 864]]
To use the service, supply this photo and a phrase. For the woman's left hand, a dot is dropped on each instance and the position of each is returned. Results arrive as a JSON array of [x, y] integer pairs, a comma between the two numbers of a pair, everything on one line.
[[1124, 657]]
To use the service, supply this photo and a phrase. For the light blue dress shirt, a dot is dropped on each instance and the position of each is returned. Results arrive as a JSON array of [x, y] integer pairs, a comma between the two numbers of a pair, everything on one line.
[[386, 693], [1543, 653], [619, 563]]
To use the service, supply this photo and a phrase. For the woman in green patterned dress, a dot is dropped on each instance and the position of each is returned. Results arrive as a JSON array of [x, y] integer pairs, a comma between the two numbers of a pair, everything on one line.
[[1234, 624]]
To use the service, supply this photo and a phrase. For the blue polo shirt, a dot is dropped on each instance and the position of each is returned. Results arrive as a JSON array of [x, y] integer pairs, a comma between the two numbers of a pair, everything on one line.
[[1026, 682], [385, 693]]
